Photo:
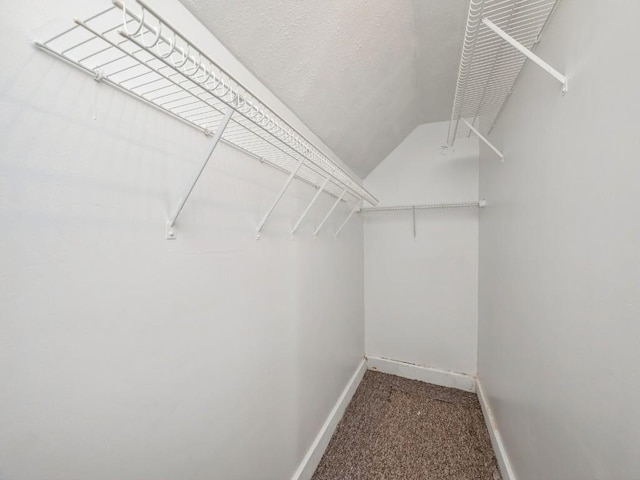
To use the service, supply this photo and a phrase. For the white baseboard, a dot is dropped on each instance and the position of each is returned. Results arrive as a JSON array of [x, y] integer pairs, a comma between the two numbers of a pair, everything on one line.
[[496, 440], [314, 454], [435, 376]]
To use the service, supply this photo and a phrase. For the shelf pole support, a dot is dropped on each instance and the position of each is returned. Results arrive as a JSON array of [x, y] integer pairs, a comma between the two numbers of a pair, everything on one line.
[[171, 234], [284, 188], [306, 210], [528, 53], [484, 139], [333, 207], [346, 220]]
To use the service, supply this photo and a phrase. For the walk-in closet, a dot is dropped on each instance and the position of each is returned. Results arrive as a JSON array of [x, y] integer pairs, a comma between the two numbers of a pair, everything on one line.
[[319, 240]]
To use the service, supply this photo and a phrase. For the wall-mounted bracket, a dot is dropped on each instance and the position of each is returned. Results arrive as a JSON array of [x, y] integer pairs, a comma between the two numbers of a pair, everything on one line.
[[170, 232], [214, 143], [528, 53], [484, 139], [306, 210], [346, 220], [333, 207], [284, 188]]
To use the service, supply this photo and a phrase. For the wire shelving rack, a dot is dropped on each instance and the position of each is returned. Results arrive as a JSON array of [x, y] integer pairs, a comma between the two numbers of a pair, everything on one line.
[[135, 50], [424, 206], [500, 36]]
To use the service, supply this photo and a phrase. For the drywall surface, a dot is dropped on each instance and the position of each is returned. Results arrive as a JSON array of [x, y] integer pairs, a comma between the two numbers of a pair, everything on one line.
[[421, 293], [559, 254], [124, 355], [361, 74]]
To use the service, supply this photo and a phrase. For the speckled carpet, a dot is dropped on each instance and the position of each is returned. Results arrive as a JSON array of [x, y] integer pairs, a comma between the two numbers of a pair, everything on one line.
[[396, 428]]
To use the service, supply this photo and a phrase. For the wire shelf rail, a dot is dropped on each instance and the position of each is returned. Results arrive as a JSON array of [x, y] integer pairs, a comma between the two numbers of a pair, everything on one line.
[[430, 206], [141, 54], [500, 36], [414, 208]]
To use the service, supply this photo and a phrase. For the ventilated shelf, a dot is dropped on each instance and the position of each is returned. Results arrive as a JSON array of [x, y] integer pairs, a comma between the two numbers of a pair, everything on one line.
[[500, 36], [422, 206], [135, 50]]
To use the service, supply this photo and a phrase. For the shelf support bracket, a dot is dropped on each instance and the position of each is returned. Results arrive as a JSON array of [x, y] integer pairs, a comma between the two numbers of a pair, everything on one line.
[[346, 220], [484, 139], [333, 207], [284, 188], [306, 210], [171, 233], [528, 53]]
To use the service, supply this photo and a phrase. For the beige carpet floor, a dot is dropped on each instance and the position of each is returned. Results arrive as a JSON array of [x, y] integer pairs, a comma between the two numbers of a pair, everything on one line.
[[396, 428]]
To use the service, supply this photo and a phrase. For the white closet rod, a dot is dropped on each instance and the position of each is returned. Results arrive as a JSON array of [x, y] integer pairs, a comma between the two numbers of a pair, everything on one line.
[[431, 206]]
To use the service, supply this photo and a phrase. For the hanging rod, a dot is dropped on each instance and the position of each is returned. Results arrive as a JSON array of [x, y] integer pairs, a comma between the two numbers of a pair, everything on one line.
[[500, 36], [141, 54], [431, 206]]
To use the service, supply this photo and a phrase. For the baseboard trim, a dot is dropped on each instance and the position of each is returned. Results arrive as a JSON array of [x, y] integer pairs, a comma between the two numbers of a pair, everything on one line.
[[314, 454], [496, 439], [445, 378]]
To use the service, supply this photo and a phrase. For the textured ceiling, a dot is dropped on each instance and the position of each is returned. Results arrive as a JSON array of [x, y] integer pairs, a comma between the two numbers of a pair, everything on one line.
[[361, 74]]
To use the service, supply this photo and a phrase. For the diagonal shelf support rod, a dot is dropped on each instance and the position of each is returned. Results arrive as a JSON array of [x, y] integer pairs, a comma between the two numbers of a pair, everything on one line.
[[214, 143], [528, 53], [346, 220], [333, 207], [484, 139], [283, 190], [306, 210]]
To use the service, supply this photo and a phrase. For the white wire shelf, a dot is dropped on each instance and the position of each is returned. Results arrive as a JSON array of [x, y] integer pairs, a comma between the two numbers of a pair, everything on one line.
[[414, 208], [140, 53], [500, 35], [429, 206]]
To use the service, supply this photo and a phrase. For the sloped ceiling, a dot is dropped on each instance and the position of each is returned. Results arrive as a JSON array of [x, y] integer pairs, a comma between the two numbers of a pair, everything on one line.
[[362, 74]]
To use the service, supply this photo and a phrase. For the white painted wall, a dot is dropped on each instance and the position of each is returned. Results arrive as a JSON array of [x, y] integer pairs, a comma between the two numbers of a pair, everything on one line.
[[421, 294], [559, 254], [124, 355]]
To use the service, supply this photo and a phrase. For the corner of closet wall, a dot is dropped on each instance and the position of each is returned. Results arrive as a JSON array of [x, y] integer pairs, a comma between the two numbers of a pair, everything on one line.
[[421, 286], [163, 356]]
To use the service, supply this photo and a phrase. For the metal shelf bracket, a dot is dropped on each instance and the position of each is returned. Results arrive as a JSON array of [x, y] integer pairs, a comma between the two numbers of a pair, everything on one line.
[[528, 53], [326, 217], [283, 190], [306, 210], [171, 234], [346, 220], [484, 139]]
